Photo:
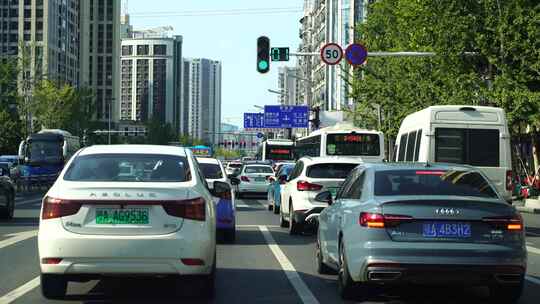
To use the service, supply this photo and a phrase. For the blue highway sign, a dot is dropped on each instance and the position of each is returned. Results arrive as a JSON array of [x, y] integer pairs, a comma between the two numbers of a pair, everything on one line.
[[253, 120], [286, 116]]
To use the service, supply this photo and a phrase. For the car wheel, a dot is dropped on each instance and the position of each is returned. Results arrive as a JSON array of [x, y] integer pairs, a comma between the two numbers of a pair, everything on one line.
[[346, 286], [53, 286], [229, 235], [322, 268], [294, 227], [282, 222], [499, 293], [276, 209]]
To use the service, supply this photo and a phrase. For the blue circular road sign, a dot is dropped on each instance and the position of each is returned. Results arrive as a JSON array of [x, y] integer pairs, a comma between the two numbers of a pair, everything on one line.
[[260, 135], [356, 54]]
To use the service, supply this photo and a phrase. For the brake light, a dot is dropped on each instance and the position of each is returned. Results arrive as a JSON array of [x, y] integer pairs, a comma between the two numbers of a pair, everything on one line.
[[56, 208], [51, 261], [509, 181], [192, 262], [192, 209], [244, 178], [507, 223], [377, 220], [307, 186]]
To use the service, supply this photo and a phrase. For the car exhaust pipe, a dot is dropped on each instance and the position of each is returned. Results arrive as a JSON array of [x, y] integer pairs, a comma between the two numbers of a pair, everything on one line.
[[384, 276], [508, 278]]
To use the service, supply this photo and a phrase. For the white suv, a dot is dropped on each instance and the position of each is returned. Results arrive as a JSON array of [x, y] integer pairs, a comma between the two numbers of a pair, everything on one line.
[[156, 219], [310, 176]]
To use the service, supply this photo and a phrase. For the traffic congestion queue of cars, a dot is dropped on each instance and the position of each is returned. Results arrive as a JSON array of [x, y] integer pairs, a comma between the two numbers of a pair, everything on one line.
[[439, 215]]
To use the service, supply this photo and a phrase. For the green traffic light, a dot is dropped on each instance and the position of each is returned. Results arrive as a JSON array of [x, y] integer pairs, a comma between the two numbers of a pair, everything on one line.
[[263, 65]]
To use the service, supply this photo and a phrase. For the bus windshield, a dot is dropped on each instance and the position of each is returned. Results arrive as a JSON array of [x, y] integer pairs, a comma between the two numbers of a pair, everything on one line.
[[45, 151], [275, 152], [353, 144]]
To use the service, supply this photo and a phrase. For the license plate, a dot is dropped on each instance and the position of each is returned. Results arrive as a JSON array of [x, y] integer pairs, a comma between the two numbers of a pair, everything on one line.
[[446, 230], [260, 179], [133, 216]]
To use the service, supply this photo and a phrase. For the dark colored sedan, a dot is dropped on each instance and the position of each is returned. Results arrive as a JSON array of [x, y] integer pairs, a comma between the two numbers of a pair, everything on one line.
[[7, 194]]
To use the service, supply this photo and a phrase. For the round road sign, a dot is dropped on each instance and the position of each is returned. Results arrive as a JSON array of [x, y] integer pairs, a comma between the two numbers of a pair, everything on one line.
[[260, 135], [331, 53], [356, 54]]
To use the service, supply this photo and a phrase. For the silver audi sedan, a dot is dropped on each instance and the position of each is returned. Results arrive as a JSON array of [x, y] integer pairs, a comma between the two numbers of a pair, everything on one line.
[[421, 224]]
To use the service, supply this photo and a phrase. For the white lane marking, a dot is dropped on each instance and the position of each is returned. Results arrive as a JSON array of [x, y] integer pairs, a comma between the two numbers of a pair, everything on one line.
[[286, 265], [533, 280], [247, 206], [533, 250], [20, 291], [532, 233], [17, 237], [256, 226], [33, 201]]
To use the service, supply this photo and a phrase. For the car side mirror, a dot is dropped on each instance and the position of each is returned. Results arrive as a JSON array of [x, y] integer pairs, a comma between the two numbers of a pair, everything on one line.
[[324, 197], [221, 190], [234, 180]]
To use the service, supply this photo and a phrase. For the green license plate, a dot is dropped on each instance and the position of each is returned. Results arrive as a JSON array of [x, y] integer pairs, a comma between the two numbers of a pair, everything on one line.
[[133, 216]]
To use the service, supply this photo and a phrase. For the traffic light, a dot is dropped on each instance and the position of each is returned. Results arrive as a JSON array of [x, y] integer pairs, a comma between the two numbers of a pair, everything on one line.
[[263, 54]]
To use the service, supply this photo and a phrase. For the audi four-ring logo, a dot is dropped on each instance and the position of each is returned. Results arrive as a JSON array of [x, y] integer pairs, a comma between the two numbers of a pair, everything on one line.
[[447, 211]]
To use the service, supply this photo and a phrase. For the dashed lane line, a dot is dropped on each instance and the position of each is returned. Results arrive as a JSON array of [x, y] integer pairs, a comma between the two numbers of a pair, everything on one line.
[[17, 237], [301, 288], [533, 250], [29, 201], [20, 291], [533, 280]]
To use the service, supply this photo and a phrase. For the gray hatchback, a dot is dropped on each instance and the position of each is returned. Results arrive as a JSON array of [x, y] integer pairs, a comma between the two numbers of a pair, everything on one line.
[[421, 224]]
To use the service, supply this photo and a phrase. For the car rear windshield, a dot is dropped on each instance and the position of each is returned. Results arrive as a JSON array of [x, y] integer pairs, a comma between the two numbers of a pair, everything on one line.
[[258, 169], [211, 171], [432, 182], [128, 168], [235, 165], [475, 147], [330, 170]]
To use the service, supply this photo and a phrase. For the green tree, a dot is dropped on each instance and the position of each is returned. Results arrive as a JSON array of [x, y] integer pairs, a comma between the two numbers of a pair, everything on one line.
[[226, 154], [10, 124], [55, 106], [159, 133]]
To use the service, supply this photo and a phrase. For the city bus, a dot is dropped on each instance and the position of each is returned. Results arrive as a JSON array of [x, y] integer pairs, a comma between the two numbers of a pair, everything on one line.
[[276, 150], [342, 140]]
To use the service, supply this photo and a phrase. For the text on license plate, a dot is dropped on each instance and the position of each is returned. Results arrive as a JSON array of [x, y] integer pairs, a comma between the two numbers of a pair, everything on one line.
[[445, 229], [114, 216]]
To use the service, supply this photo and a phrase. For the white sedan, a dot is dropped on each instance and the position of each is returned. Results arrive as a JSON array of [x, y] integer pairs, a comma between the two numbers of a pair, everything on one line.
[[159, 220]]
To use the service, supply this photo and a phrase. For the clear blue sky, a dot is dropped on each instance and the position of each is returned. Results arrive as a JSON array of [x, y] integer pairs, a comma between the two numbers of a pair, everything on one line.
[[231, 40]]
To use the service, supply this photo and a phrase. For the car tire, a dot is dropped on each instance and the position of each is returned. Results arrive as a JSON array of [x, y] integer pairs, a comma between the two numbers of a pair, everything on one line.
[[294, 227], [346, 286], [283, 223], [229, 235], [322, 268], [53, 286], [499, 293], [276, 209]]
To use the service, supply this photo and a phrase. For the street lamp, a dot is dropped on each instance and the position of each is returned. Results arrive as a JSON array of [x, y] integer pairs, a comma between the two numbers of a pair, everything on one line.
[[277, 92]]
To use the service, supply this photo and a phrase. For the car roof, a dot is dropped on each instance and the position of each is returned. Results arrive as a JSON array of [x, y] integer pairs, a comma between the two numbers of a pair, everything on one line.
[[417, 166], [257, 165], [134, 149], [331, 159], [207, 160]]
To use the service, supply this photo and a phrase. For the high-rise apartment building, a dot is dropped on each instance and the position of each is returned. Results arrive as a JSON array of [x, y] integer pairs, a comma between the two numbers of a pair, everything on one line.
[[151, 80], [49, 31], [288, 84], [202, 99], [99, 54]]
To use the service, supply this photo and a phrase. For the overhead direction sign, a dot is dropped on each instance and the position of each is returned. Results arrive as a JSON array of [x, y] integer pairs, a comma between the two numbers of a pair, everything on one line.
[[356, 54], [286, 116], [253, 120], [331, 53]]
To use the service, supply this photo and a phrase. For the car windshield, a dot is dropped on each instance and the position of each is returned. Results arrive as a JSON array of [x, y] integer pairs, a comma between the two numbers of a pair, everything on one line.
[[128, 168], [41, 151], [211, 171], [432, 182], [258, 169], [339, 171]]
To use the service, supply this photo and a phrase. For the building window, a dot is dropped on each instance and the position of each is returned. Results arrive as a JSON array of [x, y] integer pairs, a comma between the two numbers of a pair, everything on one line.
[[160, 49], [127, 50], [142, 49]]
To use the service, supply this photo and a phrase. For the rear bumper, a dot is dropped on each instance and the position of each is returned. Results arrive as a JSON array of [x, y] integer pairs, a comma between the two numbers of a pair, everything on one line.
[[130, 255], [252, 188], [425, 274]]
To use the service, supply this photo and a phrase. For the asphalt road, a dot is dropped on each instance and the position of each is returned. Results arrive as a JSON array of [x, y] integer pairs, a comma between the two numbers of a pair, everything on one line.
[[265, 265]]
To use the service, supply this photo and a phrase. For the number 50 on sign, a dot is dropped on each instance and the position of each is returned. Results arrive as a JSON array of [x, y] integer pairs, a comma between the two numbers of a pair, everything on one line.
[[331, 53]]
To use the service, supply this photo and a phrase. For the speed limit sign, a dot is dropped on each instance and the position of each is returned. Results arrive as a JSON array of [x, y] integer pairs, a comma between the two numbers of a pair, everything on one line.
[[331, 53]]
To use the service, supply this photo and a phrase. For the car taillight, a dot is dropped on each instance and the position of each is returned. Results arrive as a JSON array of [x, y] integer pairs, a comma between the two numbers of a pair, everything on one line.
[[193, 209], [509, 181], [244, 178], [51, 261], [55, 208], [377, 220], [507, 223], [307, 186]]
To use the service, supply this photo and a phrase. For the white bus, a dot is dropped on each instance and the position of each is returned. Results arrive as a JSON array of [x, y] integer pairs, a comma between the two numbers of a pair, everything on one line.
[[342, 140], [276, 150], [472, 135]]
